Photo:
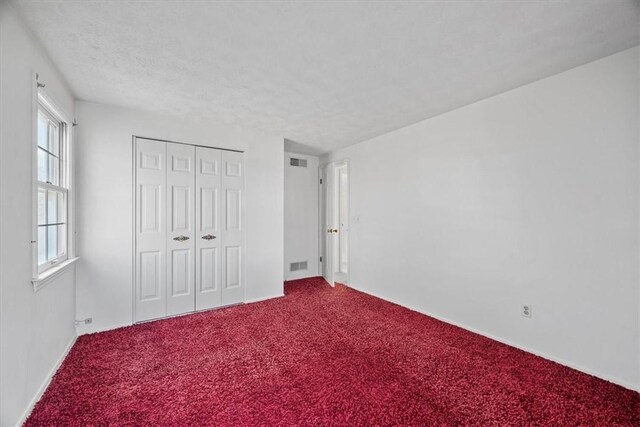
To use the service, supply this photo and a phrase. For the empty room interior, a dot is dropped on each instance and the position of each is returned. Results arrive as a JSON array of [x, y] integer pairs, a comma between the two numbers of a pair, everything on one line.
[[346, 213]]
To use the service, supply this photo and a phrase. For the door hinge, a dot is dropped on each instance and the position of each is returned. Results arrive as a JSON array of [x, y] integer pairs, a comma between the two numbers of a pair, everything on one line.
[[320, 259], [320, 181]]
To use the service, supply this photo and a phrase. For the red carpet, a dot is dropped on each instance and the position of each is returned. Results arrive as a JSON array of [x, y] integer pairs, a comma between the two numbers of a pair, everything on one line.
[[319, 356]]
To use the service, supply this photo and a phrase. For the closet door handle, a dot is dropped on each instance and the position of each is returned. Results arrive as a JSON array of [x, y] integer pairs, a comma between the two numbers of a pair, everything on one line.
[[181, 238], [209, 237]]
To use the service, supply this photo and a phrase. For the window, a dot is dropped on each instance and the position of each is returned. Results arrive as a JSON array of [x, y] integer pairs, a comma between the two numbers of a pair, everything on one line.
[[52, 189]]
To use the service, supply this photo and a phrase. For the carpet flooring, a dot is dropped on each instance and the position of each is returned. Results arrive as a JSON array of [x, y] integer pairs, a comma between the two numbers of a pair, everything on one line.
[[319, 356]]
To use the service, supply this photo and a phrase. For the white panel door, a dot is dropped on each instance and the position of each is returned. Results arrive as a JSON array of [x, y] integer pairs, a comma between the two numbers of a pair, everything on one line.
[[327, 213], [180, 228], [208, 224], [151, 207], [232, 233]]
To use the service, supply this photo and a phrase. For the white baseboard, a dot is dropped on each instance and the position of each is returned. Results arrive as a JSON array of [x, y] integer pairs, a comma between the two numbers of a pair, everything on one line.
[[46, 382], [250, 301], [618, 381], [94, 330], [292, 277], [84, 330]]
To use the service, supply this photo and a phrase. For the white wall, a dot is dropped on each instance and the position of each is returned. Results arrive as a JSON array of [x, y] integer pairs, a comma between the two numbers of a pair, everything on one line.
[[530, 196], [301, 216], [35, 328], [105, 205]]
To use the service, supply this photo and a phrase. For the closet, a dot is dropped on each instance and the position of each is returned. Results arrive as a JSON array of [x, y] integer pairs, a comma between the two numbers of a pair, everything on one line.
[[189, 228]]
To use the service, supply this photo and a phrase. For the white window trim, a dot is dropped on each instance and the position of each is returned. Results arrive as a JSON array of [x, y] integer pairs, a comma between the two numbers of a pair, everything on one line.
[[42, 277], [48, 275], [62, 186]]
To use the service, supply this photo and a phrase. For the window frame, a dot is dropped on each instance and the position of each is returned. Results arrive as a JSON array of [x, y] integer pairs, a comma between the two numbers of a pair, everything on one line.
[[61, 187], [42, 101]]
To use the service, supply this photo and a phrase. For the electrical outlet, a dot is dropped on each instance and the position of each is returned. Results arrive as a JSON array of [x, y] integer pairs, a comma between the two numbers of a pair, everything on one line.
[[527, 311]]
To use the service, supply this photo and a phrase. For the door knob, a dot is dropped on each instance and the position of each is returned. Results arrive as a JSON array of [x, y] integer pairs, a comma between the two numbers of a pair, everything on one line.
[[209, 237], [181, 238]]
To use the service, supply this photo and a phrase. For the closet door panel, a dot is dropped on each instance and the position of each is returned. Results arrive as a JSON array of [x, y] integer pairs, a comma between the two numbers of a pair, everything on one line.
[[208, 224], [150, 260], [232, 234], [180, 229]]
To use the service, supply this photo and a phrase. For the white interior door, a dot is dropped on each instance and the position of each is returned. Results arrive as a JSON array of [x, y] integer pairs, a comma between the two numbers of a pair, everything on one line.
[[232, 234], [180, 228], [208, 236], [327, 213], [151, 230]]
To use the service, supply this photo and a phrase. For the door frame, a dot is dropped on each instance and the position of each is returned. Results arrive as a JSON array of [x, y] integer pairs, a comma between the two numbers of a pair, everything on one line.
[[134, 272], [332, 194]]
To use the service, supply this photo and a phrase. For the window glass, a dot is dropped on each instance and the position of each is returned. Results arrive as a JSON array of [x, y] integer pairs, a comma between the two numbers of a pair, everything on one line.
[[42, 205], [54, 141], [53, 170], [42, 165], [42, 245], [43, 137]]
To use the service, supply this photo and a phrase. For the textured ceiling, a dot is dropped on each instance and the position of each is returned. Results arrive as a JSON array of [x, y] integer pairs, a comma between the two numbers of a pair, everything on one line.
[[322, 74]]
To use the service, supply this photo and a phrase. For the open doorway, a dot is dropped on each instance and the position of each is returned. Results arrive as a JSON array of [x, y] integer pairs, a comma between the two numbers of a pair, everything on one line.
[[334, 223]]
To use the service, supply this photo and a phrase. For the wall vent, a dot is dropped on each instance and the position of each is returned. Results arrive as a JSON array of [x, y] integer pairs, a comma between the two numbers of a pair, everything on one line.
[[296, 266], [301, 163]]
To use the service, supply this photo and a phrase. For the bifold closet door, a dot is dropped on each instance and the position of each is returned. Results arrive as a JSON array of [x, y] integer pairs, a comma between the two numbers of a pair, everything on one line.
[[208, 224], [232, 244], [189, 229], [151, 229], [165, 219], [180, 228], [220, 225]]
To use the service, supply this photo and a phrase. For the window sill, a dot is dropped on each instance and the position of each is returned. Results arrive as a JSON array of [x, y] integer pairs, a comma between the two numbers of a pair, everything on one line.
[[47, 276]]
